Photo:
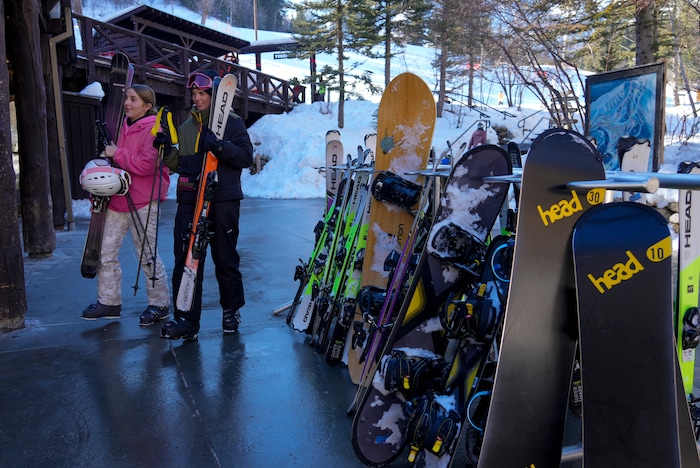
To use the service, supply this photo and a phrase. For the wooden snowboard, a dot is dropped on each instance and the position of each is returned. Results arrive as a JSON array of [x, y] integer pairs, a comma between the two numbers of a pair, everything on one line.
[[405, 124]]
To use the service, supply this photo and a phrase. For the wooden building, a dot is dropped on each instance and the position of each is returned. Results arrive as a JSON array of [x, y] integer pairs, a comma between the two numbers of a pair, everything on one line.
[[164, 50]]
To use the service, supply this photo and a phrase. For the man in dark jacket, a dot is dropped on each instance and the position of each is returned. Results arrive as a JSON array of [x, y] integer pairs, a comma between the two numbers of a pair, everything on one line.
[[234, 153]]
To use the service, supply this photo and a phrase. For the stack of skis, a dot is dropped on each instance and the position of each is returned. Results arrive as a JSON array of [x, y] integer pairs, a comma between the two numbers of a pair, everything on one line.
[[451, 331]]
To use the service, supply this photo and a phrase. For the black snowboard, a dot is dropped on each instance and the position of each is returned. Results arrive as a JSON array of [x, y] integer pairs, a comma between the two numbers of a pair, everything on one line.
[[525, 425], [473, 205], [515, 155], [628, 362], [119, 80]]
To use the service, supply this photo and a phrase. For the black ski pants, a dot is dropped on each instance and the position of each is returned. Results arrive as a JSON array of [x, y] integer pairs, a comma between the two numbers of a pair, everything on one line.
[[224, 216]]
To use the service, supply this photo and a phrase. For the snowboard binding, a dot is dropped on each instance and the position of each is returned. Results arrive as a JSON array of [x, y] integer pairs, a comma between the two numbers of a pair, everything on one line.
[[468, 316], [501, 261], [412, 376], [455, 245], [390, 188], [371, 299], [691, 328], [429, 426]]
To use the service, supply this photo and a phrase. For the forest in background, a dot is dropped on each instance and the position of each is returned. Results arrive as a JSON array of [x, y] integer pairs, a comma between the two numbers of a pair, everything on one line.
[[545, 46]]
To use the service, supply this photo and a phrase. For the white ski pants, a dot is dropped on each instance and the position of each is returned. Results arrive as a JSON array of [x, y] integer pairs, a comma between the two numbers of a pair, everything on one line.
[[109, 273]]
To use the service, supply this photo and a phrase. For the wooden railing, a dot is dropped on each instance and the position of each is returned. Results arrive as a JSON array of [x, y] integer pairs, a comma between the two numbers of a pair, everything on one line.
[[153, 58]]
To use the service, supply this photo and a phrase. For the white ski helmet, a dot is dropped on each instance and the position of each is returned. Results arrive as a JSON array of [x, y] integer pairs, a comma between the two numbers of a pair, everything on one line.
[[103, 180]]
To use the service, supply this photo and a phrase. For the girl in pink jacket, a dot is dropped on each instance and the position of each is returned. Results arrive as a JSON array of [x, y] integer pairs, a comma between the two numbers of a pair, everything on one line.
[[136, 211]]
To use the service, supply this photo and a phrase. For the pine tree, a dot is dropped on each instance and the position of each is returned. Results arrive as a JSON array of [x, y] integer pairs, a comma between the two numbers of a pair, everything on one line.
[[321, 26]]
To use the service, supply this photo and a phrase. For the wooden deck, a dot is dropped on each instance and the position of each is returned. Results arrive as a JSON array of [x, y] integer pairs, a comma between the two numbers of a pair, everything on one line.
[[164, 66]]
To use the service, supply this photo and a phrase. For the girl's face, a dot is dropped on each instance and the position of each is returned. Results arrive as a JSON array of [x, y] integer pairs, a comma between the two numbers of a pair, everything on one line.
[[134, 106], [201, 99]]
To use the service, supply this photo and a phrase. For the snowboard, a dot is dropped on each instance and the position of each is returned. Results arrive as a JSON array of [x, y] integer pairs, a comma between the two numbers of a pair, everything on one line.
[[454, 252], [634, 155], [515, 154], [120, 75], [688, 290], [200, 234], [525, 425], [624, 294], [507, 216], [405, 124]]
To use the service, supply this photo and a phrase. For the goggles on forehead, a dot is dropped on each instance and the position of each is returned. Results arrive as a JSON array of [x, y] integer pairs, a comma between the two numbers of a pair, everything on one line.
[[199, 81]]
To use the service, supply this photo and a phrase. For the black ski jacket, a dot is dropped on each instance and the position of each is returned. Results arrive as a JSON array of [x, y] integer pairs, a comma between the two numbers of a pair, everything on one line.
[[236, 155]]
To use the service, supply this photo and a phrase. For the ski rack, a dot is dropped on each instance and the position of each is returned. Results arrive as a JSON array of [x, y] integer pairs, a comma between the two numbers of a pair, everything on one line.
[[647, 182], [574, 452], [440, 171]]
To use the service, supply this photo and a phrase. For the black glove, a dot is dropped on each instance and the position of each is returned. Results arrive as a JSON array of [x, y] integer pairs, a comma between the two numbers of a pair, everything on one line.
[[162, 142], [209, 142]]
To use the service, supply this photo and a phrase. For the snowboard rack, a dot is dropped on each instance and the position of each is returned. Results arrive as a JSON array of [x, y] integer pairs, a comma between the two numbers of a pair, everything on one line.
[[390, 188], [429, 426]]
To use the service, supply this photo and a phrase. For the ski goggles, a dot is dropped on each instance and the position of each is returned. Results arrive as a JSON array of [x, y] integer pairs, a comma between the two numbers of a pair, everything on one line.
[[199, 81]]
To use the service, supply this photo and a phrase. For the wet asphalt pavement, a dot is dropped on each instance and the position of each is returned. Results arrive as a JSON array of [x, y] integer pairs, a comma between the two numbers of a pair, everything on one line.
[[79, 393], [113, 393]]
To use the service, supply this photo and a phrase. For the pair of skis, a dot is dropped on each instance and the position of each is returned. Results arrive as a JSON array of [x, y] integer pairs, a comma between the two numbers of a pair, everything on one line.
[[120, 77], [200, 231]]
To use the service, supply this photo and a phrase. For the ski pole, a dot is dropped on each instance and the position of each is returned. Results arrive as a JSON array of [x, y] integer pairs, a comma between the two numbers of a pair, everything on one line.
[[165, 117]]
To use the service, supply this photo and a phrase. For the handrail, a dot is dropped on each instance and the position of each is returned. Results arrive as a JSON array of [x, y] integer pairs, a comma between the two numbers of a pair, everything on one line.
[[521, 122], [525, 137], [501, 111], [169, 62]]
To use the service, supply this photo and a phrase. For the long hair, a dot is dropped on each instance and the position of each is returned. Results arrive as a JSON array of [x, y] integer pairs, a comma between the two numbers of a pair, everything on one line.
[[148, 96]]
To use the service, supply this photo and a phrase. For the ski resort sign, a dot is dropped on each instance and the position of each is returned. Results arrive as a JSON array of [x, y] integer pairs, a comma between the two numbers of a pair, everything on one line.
[[626, 113]]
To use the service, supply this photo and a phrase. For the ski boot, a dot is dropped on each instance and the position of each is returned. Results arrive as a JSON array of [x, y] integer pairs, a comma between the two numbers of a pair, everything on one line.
[[99, 310], [180, 328], [230, 321], [153, 314]]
